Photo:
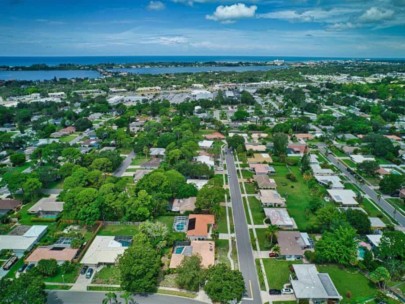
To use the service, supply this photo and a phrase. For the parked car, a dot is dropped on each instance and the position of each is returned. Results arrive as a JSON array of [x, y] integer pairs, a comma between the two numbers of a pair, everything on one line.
[[29, 267], [89, 273], [22, 268], [287, 291], [275, 291], [84, 269], [273, 255]]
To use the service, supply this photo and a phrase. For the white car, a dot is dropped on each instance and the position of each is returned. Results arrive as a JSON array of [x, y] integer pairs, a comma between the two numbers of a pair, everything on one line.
[[287, 291]]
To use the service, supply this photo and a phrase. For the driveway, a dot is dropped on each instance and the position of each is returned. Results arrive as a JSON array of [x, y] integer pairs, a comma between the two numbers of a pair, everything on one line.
[[124, 165]]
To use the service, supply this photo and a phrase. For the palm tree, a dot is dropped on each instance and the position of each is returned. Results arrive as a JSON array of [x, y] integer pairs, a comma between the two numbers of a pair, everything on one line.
[[271, 232], [110, 298], [128, 298]]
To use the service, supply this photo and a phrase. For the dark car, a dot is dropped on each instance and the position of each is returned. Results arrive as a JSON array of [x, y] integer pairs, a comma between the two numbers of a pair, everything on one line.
[[22, 268], [273, 255], [275, 291], [84, 269], [89, 273]]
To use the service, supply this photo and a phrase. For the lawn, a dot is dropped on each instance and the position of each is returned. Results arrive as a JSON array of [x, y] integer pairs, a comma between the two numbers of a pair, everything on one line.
[[257, 211], [337, 152], [250, 188], [222, 225], [264, 243], [373, 211], [139, 159], [349, 163], [297, 194], [68, 277], [347, 281], [13, 270], [68, 138], [398, 203], [113, 230], [247, 174], [107, 275], [278, 272], [221, 251]]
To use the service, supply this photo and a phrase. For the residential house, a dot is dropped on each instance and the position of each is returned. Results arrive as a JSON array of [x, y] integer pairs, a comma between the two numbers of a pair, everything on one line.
[[260, 169], [8, 205], [255, 147], [204, 249], [374, 240], [205, 144], [199, 226], [105, 250], [205, 159], [264, 182], [184, 204], [310, 285], [260, 158], [22, 238], [47, 207], [151, 164], [271, 198], [157, 152], [377, 224], [358, 159], [343, 197], [296, 149], [199, 183], [331, 181], [214, 136], [293, 244], [60, 254], [280, 218]]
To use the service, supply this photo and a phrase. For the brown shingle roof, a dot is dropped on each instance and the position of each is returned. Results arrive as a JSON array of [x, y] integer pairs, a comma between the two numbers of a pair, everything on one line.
[[9, 204]]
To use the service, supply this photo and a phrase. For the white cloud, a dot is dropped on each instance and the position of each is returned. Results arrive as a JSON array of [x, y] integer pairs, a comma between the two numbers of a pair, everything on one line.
[[156, 6], [375, 14], [341, 26], [166, 40], [316, 15], [230, 13]]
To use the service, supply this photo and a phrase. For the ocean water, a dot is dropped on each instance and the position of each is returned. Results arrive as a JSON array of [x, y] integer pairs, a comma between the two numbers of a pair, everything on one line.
[[53, 60]]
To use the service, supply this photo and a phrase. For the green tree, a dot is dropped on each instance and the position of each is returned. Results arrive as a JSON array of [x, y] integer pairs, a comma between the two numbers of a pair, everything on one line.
[[48, 267], [338, 246], [223, 284], [280, 141], [128, 298], [110, 298], [271, 232], [103, 164], [83, 124], [305, 162], [28, 288], [139, 266], [358, 220], [189, 273], [157, 233], [240, 115], [368, 167], [380, 276], [32, 188], [391, 183], [392, 252], [236, 142], [17, 159], [209, 198]]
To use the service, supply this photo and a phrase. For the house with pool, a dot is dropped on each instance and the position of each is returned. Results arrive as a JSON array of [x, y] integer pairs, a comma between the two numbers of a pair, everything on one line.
[[204, 249]]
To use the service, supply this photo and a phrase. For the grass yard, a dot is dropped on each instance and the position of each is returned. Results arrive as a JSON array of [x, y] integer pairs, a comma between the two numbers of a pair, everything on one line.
[[247, 174], [68, 277], [260, 275], [250, 188], [139, 159], [57, 287], [337, 152], [349, 163], [222, 225], [399, 203], [346, 281], [113, 230], [107, 275], [183, 294], [221, 251], [257, 211], [68, 138], [297, 194], [13, 270], [278, 272], [264, 243]]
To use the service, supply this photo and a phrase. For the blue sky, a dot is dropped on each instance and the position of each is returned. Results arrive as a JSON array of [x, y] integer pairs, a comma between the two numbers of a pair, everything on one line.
[[329, 28]]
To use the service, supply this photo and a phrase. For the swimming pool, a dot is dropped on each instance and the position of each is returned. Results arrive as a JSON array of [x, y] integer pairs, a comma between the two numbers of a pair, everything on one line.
[[179, 249], [361, 251], [180, 226]]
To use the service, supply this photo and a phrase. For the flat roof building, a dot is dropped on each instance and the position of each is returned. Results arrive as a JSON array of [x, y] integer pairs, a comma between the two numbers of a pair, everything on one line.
[[105, 250], [343, 197], [271, 198]]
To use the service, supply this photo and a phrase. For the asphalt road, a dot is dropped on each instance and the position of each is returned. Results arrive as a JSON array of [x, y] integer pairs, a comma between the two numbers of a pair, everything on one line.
[[247, 263], [124, 165], [382, 203], [93, 297]]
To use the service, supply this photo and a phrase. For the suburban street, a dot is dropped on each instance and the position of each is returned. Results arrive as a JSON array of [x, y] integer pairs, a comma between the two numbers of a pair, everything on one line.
[[247, 263], [124, 165], [94, 297], [382, 203]]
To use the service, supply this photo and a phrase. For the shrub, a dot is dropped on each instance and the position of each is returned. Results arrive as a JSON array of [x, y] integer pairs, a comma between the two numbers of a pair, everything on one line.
[[291, 177], [47, 267]]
